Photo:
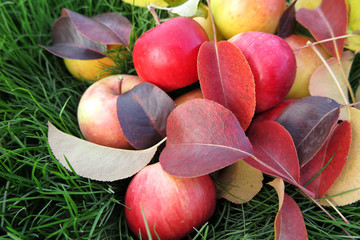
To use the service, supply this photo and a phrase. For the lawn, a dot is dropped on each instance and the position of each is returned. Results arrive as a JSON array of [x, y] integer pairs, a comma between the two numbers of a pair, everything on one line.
[[40, 199]]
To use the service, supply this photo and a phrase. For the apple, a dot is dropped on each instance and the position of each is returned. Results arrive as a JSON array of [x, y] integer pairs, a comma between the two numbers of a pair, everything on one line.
[[272, 63], [166, 55], [97, 112], [172, 206], [306, 61], [91, 70], [193, 94], [235, 16], [204, 19]]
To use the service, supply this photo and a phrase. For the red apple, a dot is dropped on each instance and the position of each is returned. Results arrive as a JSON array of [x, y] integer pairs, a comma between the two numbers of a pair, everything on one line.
[[166, 55], [172, 206], [273, 64], [97, 113]]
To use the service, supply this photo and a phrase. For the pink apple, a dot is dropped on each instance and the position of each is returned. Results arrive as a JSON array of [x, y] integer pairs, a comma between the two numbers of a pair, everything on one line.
[[273, 64], [166, 55], [97, 113], [172, 206]]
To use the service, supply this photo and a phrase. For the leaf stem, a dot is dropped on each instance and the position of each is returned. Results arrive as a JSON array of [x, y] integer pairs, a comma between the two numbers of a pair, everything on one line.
[[151, 8]]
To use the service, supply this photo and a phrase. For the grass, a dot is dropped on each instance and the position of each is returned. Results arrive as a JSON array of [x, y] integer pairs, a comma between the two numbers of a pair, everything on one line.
[[39, 199]]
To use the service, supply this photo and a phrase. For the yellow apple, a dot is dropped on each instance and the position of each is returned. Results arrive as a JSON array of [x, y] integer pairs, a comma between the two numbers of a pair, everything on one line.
[[204, 19], [89, 70], [93, 70], [306, 61], [236, 16]]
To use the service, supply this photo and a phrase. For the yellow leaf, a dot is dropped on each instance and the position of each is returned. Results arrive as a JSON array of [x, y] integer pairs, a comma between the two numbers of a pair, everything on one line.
[[309, 4], [145, 3], [240, 181], [353, 42], [347, 186]]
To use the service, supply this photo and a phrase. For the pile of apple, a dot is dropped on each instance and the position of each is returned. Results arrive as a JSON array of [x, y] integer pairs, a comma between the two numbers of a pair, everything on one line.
[[166, 56]]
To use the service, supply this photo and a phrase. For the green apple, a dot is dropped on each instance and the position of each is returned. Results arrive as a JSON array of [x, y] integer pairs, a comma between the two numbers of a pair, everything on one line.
[[306, 61], [234, 16]]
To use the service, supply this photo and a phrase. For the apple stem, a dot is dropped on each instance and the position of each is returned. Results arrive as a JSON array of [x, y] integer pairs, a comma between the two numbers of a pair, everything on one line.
[[151, 8], [120, 78]]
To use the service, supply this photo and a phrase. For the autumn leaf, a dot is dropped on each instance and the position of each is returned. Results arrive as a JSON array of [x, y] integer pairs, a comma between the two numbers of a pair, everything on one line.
[[346, 189], [287, 21], [289, 221], [353, 42], [334, 83], [326, 21], [239, 182], [75, 36], [95, 161], [320, 173], [202, 137], [225, 77], [143, 113], [275, 151], [309, 121]]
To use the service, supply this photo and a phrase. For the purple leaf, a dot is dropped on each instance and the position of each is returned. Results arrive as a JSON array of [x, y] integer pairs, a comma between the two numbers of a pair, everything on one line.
[[309, 121], [142, 113]]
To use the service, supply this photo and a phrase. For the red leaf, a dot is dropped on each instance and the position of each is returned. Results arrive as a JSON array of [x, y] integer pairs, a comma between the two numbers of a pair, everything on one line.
[[143, 113], [275, 151], [202, 137], [332, 156], [225, 77], [326, 21], [309, 121], [289, 222]]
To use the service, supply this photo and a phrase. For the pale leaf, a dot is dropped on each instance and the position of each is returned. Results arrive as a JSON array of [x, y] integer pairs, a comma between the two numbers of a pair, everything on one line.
[[323, 84], [187, 9], [94, 161], [239, 182]]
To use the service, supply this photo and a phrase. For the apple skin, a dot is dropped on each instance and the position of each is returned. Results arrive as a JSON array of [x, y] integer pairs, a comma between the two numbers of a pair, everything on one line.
[[97, 111], [272, 63], [89, 70], [166, 55], [93, 70], [205, 22], [306, 61], [172, 205], [193, 94], [233, 17]]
